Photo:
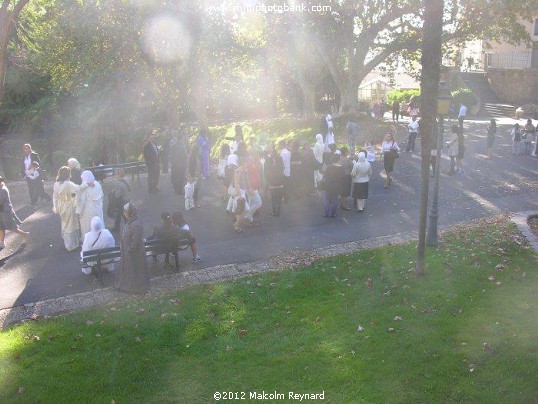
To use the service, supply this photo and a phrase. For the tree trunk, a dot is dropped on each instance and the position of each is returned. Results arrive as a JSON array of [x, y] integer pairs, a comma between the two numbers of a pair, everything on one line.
[[349, 98], [429, 88], [309, 101]]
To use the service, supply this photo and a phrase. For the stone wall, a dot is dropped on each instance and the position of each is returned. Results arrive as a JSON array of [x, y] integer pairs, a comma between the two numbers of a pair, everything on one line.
[[516, 86]]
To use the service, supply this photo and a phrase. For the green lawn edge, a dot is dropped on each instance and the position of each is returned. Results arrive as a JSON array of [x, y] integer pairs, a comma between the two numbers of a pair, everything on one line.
[[358, 328]]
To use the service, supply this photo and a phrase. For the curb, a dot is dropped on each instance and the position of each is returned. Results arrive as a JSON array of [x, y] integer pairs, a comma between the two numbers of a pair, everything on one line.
[[520, 219], [178, 281]]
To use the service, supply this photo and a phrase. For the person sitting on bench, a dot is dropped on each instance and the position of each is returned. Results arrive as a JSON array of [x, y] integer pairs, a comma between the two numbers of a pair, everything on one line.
[[185, 232], [98, 237]]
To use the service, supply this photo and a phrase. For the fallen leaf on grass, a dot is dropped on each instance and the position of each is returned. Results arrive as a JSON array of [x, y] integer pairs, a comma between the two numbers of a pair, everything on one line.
[[20, 390], [89, 322], [243, 331], [500, 267], [390, 329], [36, 338], [499, 283], [398, 318], [360, 328], [369, 283], [140, 311], [97, 335], [138, 339], [491, 278]]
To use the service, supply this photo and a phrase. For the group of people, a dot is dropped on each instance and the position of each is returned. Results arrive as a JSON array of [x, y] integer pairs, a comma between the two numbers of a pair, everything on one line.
[[288, 171], [522, 139]]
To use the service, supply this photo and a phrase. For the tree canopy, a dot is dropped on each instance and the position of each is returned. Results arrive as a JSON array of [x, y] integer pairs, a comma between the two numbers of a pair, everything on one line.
[[110, 67]]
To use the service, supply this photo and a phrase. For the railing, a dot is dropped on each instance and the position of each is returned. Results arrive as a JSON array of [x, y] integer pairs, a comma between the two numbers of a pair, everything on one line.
[[509, 60]]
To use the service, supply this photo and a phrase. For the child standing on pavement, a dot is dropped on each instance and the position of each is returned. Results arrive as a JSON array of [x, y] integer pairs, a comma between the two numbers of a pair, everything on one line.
[[36, 178]]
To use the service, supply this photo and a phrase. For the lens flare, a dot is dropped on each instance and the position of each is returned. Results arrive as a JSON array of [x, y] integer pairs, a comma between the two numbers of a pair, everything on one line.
[[165, 40]]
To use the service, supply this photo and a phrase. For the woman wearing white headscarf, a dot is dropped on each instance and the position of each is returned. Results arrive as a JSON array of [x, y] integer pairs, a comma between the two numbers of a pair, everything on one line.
[[98, 237], [89, 201], [361, 176], [318, 150]]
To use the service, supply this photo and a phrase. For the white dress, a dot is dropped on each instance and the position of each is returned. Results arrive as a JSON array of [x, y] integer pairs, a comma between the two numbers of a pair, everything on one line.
[[64, 204], [89, 204]]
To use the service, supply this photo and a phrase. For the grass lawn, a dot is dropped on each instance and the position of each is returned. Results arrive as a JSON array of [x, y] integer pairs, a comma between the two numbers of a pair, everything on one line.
[[359, 327], [305, 130]]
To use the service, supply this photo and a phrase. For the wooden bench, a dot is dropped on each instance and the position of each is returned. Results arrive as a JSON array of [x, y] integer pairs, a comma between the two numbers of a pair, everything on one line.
[[103, 171], [96, 259]]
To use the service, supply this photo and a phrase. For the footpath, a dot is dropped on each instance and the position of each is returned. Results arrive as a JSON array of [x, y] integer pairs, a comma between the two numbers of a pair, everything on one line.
[[177, 281]]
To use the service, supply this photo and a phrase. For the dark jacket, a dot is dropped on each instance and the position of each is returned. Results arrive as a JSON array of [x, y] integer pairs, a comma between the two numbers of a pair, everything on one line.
[[151, 157], [34, 157]]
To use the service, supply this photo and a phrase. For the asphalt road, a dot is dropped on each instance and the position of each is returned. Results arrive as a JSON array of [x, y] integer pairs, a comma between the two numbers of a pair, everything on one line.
[[43, 269]]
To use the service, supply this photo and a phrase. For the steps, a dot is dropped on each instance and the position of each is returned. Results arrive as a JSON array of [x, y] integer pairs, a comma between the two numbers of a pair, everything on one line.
[[491, 104], [498, 110]]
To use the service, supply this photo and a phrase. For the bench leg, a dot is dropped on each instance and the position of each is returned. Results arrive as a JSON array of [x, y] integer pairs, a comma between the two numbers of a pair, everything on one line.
[[98, 273], [176, 257]]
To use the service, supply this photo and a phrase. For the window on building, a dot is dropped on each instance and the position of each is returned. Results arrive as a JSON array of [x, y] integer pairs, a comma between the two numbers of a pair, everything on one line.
[[536, 27]]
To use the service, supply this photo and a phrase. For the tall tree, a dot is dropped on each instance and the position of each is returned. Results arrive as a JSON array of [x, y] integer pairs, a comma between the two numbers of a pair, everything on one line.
[[9, 12], [429, 88], [355, 37]]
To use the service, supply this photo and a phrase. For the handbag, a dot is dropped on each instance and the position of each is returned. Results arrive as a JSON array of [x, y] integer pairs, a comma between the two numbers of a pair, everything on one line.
[[393, 153]]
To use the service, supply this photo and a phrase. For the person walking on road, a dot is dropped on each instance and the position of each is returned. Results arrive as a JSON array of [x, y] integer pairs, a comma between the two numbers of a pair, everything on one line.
[[89, 201], [26, 169], [529, 134], [64, 204], [390, 150], [334, 175], [452, 145], [395, 111], [74, 165], [461, 115], [151, 157], [516, 140], [8, 218], [362, 170], [133, 276], [413, 132], [119, 195], [492, 131]]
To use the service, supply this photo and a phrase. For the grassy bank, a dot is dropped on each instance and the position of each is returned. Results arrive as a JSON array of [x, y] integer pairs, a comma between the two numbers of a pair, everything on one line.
[[358, 327]]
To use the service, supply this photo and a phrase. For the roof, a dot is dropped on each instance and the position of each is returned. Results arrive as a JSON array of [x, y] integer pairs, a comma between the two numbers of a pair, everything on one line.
[[402, 81]]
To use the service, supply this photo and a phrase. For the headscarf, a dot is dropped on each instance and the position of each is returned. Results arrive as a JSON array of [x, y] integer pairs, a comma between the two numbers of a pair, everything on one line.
[[96, 225], [87, 176], [73, 163], [329, 120], [233, 159], [319, 148], [131, 211], [98, 237], [362, 165]]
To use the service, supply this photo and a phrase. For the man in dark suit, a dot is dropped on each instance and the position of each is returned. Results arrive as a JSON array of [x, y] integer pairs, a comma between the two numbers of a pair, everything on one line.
[[26, 165], [151, 157]]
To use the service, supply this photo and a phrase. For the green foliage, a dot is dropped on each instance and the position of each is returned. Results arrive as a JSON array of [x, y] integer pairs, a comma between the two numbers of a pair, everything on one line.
[[464, 96], [402, 95]]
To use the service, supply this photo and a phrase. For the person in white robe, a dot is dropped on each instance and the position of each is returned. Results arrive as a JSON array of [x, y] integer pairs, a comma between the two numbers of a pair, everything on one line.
[[98, 237], [318, 150], [64, 204], [89, 201]]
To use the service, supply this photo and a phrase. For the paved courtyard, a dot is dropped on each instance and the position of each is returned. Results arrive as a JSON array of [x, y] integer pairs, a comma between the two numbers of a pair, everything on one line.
[[44, 270]]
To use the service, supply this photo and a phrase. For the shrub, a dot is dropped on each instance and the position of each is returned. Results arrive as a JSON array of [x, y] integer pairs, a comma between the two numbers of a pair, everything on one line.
[[464, 96], [402, 95]]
